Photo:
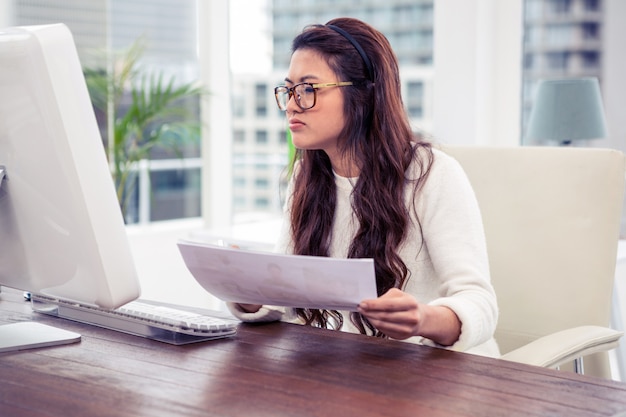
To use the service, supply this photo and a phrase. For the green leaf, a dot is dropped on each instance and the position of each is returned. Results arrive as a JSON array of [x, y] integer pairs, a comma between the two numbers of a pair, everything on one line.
[[148, 108]]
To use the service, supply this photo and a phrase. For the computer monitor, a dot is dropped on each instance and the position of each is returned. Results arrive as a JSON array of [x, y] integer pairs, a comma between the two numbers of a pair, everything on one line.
[[62, 234]]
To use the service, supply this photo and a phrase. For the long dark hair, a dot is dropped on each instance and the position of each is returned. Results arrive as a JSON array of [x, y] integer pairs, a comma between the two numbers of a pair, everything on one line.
[[378, 137]]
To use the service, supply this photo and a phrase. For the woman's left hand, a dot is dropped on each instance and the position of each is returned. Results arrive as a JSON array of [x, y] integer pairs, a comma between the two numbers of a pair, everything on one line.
[[399, 315]]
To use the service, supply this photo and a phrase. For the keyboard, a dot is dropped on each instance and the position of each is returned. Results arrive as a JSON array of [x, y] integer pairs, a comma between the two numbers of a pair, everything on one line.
[[174, 325]]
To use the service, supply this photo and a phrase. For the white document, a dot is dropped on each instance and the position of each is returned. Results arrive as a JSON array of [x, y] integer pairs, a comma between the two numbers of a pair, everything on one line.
[[256, 277]]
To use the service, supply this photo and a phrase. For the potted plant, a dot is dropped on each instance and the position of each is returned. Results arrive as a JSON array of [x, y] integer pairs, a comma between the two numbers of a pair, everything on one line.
[[143, 110]]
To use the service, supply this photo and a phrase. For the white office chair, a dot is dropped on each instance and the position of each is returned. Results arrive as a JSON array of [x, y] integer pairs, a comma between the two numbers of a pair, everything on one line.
[[552, 218]]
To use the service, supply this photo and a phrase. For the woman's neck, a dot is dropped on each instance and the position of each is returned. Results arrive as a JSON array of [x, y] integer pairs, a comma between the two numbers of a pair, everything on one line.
[[344, 166]]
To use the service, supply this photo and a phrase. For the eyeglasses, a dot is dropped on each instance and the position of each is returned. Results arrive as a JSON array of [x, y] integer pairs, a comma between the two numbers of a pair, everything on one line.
[[305, 94]]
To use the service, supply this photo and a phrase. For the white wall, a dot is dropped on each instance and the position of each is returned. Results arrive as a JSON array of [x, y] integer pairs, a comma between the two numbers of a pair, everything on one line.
[[162, 273], [614, 86], [214, 57], [6, 13], [614, 77], [478, 65]]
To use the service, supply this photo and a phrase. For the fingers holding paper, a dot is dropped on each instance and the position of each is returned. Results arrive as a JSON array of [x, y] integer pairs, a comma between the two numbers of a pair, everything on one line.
[[400, 316], [395, 313]]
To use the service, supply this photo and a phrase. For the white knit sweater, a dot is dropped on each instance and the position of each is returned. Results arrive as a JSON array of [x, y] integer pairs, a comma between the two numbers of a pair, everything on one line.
[[451, 269]]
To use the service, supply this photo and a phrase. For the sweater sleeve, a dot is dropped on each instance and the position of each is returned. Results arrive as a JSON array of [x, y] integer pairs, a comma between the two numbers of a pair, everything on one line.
[[265, 314], [454, 236]]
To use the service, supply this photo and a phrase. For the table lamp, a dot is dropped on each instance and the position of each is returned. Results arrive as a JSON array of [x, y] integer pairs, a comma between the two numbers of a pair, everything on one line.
[[566, 110]]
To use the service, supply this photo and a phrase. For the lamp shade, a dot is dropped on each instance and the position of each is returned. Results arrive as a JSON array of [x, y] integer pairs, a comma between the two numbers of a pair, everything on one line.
[[567, 110]]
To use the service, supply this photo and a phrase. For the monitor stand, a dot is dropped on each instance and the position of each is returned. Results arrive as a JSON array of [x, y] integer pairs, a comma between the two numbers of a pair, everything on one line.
[[29, 335]]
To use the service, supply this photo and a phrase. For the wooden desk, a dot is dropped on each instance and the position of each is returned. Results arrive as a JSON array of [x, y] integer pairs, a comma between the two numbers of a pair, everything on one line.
[[279, 370]]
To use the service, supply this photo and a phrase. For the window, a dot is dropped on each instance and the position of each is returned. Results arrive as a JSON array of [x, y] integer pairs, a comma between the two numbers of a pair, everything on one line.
[[559, 6], [590, 60], [239, 202], [528, 61], [261, 137], [533, 9], [532, 35], [165, 188], [414, 97], [238, 104], [561, 38], [261, 92], [261, 183], [591, 5], [261, 202], [415, 111], [239, 136], [175, 191], [557, 60], [590, 31], [415, 90], [282, 137], [583, 39], [557, 35]]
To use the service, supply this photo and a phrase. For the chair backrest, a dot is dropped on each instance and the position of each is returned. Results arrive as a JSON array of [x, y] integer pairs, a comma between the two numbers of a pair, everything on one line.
[[552, 218]]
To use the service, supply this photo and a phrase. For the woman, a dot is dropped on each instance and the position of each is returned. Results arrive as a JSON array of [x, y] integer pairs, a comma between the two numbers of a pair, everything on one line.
[[364, 186]]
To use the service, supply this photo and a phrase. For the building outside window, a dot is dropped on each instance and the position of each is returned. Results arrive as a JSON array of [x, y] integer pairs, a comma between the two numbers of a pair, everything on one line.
[[261, 92], [261, 137], [562, 38]]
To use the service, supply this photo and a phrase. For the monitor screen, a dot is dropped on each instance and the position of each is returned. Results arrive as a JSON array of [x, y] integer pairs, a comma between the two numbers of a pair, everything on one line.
[[61, 229]]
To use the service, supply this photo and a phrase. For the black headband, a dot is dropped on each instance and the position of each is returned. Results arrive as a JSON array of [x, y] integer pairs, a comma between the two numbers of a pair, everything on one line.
[[356, 45]]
